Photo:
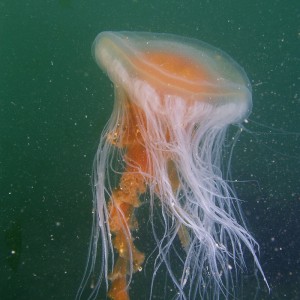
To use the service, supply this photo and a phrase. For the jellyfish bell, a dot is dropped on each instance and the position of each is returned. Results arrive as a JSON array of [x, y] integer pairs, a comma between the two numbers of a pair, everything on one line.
[[151, 66], [174, 100]]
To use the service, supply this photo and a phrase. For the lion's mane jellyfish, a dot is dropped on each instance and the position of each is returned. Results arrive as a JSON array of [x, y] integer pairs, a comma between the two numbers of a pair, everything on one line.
[[174, 101]]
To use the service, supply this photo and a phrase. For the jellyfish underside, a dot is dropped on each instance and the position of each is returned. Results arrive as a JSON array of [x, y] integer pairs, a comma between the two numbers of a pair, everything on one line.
[[167, 129]]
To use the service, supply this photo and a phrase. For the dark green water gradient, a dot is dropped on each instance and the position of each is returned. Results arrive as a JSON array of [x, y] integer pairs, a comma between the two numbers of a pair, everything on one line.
[[54, 102]]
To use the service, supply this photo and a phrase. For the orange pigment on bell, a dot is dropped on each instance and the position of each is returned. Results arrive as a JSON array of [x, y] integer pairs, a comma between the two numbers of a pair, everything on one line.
[[175, 70]]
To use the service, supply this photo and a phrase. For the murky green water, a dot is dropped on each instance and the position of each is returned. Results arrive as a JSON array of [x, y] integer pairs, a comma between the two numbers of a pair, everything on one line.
[[54, 102]]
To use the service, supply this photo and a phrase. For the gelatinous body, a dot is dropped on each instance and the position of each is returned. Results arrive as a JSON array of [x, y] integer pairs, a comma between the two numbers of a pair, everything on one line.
[[174, 100]]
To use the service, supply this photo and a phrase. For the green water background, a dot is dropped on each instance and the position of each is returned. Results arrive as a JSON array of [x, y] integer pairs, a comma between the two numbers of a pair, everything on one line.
[[54, 102]]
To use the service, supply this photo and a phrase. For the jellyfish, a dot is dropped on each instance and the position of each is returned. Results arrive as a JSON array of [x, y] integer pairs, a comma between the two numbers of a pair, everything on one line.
[[175, 98]]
